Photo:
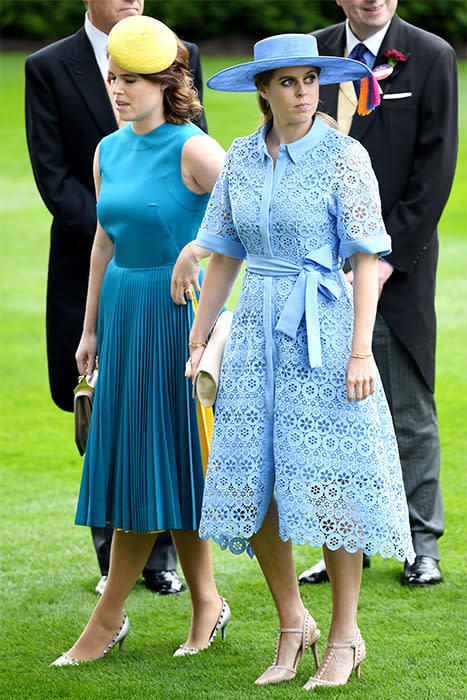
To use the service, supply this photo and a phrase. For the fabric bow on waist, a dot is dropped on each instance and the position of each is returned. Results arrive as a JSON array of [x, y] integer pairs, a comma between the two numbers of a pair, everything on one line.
[[313, 275]]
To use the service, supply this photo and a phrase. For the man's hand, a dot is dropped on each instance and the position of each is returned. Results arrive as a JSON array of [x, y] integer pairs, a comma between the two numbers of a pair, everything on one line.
[[385, 271]]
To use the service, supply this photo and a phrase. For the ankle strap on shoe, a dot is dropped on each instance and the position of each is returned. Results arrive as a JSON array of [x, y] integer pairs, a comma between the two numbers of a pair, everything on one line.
[[299, 630], [358, 646], [356, 642], [291, 629], [347, 645]]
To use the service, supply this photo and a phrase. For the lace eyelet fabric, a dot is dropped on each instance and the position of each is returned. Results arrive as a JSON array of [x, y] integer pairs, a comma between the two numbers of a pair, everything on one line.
[[283, 424]]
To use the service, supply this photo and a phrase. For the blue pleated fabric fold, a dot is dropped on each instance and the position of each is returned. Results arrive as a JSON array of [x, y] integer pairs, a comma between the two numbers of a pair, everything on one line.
[[143, 468]]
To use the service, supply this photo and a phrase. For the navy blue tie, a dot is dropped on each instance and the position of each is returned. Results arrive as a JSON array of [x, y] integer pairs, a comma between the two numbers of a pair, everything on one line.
[[362, 54]]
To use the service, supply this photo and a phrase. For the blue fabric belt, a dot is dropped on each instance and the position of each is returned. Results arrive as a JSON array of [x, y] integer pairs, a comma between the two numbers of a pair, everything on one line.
[[313, 275]]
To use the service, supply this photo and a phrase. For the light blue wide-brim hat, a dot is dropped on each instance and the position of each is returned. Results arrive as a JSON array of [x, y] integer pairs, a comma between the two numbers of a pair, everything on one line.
[[285, 50]]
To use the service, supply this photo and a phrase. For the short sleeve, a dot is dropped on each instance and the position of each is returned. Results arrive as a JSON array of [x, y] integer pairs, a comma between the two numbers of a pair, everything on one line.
[[355, 192], [217, 231]]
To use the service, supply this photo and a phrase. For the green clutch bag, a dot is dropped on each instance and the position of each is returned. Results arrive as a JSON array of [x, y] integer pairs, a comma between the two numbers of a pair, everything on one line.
[[82, 408]]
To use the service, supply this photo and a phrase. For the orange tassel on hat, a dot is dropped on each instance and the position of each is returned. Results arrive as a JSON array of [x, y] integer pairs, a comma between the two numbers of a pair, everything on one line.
[[368, 94], [362, 108]]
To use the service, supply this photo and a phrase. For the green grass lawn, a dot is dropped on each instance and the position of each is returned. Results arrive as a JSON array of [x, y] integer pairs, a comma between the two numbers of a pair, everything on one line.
[[416, 639]]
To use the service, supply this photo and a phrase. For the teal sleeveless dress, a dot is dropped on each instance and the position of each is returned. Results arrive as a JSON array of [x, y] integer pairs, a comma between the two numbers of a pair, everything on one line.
[[143, 470]]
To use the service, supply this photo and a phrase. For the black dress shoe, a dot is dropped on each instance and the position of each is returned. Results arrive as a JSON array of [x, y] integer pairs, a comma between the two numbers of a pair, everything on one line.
[[318, 573], [315, 574], [164, 582], [100, 585], [424, 571]]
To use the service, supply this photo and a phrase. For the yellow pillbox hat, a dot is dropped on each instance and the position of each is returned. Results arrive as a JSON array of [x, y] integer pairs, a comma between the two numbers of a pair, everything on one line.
[[141, 44]]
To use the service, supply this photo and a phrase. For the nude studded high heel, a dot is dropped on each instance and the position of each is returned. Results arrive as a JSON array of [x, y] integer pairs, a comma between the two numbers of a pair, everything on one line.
[[118, 638], [331, 657], [310, 635], [221, 625]]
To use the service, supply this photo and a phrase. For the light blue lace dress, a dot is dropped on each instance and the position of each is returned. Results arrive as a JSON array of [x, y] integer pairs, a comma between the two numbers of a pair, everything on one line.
[[282, 420]]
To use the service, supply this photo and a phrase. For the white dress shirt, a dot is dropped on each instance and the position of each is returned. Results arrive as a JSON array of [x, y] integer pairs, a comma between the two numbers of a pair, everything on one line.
[[373, 43], [98, 41]]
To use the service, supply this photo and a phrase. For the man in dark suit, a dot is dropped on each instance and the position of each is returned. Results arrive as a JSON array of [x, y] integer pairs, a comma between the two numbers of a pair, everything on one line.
[[412, 141], [68, 111]]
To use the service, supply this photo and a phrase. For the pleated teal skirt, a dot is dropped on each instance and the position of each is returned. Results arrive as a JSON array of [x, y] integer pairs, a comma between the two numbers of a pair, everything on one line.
[[142, 470]]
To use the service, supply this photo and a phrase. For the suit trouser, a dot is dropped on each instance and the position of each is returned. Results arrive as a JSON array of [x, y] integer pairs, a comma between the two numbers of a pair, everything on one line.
[[163, 556], [413, 411]]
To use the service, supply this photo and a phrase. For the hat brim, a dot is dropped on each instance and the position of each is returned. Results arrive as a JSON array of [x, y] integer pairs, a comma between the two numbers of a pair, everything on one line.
[[333, 69]]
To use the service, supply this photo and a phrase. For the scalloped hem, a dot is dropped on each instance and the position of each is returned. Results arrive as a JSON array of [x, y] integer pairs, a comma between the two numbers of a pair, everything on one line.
[[240, 544]]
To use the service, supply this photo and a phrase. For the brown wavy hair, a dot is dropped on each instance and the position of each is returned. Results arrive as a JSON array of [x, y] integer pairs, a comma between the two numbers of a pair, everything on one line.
[[181, 101], [263, 79]]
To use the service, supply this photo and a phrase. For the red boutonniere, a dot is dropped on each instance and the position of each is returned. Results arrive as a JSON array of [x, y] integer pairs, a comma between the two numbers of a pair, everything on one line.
[[394, 57]]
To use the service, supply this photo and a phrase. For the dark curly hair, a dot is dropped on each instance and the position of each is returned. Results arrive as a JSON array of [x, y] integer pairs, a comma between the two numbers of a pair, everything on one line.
[[181, 101]]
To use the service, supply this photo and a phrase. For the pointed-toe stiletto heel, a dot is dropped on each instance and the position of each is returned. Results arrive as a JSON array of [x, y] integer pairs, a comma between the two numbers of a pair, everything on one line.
[[359, 653], [310, 635], [221, 625], [118, 638]]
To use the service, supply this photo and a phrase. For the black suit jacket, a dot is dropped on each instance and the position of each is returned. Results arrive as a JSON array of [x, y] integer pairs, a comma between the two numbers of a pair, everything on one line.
[[68, 112], [412, 142]]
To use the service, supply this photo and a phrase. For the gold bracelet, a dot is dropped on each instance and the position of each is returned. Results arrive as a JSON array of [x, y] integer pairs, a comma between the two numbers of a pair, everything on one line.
[[197, 344], [190, 246], [361, 355]]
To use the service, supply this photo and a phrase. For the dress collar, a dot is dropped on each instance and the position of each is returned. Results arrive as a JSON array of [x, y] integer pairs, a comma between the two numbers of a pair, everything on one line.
[[296, 149]]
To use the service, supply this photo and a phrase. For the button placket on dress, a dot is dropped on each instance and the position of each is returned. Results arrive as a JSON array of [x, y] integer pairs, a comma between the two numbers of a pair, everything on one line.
[[273, 177]]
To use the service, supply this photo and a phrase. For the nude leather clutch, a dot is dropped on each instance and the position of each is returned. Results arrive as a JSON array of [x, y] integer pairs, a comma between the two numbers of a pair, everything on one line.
[[207, 375]]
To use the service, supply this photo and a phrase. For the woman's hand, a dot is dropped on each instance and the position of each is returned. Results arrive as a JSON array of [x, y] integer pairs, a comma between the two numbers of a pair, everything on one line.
[[360, 378], [185, 275], [361, 369], [195, 358], [86, 353]]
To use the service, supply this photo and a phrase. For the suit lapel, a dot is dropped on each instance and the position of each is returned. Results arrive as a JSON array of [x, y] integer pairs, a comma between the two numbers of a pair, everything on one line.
[[360, 125], [393, 40], [334, 45], [87, 78]]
